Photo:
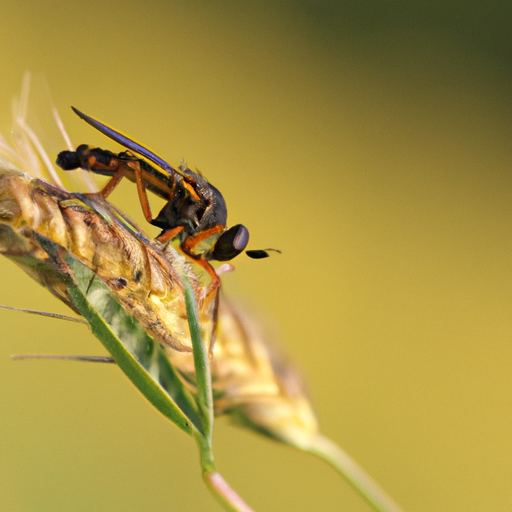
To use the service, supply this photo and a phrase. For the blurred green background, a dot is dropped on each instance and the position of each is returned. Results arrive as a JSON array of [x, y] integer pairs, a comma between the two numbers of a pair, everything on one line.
[[371, 143]]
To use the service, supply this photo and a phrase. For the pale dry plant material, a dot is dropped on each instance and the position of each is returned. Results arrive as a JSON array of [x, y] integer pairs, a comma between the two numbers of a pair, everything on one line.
[[248, 379]]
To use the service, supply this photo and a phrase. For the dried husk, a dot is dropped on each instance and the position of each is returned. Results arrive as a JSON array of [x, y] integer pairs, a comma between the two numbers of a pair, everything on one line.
[[144, 278], [253, 383], [250, 382]]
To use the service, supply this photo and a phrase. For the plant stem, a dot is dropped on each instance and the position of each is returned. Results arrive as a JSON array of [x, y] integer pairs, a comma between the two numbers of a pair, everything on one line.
[[224, 493], [355, 474], [229, 499], [201, 362]]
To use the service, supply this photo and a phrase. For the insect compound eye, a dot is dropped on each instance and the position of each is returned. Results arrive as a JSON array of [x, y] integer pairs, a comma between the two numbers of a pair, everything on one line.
[[231, 243]]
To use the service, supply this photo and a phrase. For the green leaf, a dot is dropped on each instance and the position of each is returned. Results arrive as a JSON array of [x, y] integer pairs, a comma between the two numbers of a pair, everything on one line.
[[138, 355], [203, 379]]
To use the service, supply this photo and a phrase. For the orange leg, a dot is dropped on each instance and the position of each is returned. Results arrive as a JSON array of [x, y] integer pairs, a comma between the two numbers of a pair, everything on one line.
[[192, 241], [141, 189], [213, 288], [169, 234], [122, 168], [114, 181], [206, 266], [187, 247]]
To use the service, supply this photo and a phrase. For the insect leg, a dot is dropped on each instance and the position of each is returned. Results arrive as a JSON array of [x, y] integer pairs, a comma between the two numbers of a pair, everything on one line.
[[96, 160], [169, 234], [214, 288], [141, 189], [192, 241], [205, 264], [113, 182], [187, 248]]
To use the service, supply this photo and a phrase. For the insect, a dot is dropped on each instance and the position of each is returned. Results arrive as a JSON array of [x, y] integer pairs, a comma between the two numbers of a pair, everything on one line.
[[195, 211]]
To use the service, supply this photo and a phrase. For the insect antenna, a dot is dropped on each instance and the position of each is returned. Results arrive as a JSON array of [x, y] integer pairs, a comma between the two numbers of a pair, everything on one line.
[[258, 254]]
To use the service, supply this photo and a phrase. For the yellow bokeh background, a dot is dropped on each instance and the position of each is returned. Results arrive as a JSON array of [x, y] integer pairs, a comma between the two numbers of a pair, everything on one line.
[[371, 143]]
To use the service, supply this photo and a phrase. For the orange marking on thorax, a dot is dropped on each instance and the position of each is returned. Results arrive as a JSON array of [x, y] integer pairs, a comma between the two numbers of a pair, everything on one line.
[[191, 190]]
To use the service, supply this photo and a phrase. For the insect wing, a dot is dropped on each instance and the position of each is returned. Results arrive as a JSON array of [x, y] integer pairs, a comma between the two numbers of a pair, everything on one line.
[[125, 141]]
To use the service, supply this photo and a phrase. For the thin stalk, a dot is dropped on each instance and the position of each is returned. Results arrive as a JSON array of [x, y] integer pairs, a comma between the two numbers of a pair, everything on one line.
[[88, 359], [224, 494], [45, 313], [201, 363], [355, 474], [220, 489]]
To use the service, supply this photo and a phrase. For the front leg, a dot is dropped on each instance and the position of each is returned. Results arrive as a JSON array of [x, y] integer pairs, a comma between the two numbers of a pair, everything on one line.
[[191, 242]]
